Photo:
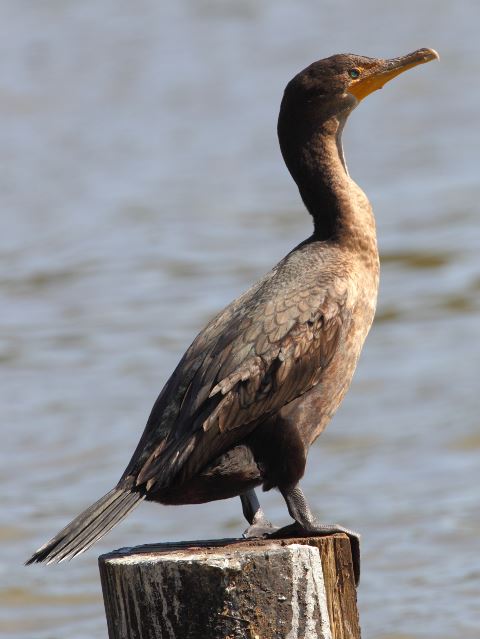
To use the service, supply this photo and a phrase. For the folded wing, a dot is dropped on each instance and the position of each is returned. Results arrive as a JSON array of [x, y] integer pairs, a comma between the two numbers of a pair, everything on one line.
[[249, 362]]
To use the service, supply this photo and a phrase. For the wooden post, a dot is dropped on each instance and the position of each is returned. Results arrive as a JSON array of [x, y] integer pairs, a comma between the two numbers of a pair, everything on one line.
[[299, 588]]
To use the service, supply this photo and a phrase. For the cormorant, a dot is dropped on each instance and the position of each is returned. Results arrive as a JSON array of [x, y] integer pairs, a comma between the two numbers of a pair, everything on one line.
[[261, 381]]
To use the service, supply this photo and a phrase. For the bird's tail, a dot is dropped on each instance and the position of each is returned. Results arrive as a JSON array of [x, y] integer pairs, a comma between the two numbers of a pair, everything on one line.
[[88, 527]]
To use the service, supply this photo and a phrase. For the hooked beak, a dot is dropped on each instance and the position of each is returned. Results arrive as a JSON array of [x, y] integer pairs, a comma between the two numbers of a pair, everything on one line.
[[382, 71]]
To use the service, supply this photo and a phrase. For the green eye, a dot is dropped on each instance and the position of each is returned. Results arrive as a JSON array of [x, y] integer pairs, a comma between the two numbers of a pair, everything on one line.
[[354, 73]]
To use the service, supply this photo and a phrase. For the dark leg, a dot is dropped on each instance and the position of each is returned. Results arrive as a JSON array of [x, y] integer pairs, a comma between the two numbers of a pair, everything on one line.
[[259, 526], [307, 524]]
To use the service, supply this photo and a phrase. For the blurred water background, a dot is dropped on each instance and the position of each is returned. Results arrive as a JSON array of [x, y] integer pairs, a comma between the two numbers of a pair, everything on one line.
[[142, 189]]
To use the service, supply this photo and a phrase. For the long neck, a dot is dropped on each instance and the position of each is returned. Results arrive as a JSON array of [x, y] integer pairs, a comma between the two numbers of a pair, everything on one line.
[[323, 180], [314, 156]]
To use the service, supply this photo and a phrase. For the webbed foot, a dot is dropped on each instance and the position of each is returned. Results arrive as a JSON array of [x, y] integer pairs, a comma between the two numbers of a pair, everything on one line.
[[260, 528], [316, 529], [306, 525]]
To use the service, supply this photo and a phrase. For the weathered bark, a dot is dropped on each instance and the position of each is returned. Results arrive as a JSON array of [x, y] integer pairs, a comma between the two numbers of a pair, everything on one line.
[[232, 589]]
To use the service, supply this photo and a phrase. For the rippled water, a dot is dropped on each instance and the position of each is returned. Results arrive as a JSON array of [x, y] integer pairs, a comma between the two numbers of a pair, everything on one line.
[[142, 190]]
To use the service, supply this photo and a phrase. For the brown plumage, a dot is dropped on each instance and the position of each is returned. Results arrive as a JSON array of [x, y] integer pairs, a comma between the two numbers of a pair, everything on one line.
[[261, 381]]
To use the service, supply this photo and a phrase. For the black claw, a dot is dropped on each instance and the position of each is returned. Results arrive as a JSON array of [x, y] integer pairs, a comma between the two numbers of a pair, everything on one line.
[[321, 530], [355, 550]]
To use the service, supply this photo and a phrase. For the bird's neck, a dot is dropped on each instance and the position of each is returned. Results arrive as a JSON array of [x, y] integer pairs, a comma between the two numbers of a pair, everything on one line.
[[339, 208]]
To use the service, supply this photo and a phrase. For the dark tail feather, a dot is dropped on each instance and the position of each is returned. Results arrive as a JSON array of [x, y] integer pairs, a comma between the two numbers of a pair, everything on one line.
[[88, 527]]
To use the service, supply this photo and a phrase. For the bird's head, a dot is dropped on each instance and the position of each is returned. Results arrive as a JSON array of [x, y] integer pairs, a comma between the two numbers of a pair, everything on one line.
[[335, 85], [314, 109]]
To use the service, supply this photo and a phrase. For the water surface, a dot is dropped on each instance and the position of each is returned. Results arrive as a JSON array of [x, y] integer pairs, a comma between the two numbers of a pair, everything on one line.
[[142, 190]]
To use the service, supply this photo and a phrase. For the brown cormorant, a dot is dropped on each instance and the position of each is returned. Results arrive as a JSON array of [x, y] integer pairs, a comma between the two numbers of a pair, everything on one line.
[[261, 381]]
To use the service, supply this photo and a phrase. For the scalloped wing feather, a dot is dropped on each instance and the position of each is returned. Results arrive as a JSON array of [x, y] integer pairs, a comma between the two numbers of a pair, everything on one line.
[[279, 355]]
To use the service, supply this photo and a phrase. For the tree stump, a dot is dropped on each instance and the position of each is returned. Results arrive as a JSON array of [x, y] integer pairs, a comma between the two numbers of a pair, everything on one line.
[[299, 588]]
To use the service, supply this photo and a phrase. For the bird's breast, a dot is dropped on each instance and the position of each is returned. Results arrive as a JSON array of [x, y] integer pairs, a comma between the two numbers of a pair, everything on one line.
[[313, 410]]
